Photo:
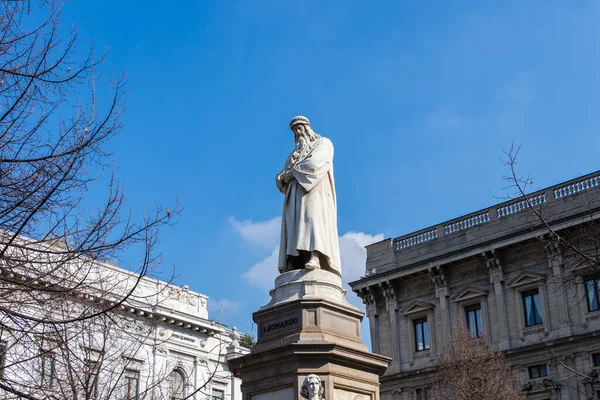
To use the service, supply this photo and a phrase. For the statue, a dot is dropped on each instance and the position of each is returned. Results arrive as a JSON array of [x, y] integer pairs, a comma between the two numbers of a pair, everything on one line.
[[312, 388], [309, 236]]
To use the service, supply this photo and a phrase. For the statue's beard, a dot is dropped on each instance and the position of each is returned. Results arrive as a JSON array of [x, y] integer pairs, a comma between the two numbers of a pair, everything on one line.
[[301, 143], [301, 148]]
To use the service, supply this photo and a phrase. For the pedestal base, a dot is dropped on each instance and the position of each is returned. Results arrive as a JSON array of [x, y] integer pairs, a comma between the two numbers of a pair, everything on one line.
[[309, 328]]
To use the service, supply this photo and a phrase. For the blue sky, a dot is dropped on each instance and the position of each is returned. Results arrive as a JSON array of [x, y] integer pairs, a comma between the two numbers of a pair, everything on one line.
[[419, 99]]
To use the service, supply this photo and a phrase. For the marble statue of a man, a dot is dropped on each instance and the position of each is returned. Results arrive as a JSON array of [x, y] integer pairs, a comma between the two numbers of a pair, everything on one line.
[[309, 236], [312, 388]]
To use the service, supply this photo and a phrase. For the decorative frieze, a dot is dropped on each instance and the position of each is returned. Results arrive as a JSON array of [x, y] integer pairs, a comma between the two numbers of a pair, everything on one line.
[[526, 253], [183, 294], [413, 286]]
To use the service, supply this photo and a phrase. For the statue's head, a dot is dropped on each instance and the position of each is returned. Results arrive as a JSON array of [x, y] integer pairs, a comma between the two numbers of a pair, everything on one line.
[[312, 387], [302, 130], [299, 121]]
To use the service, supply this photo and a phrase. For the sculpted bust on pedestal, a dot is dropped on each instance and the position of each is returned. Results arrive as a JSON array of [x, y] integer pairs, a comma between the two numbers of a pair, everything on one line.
[[309, 236], [312, 389]]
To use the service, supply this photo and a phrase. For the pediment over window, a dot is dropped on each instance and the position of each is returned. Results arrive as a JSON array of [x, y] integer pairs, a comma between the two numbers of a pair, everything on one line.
[[416, 307], [525, 278], [469, 293]]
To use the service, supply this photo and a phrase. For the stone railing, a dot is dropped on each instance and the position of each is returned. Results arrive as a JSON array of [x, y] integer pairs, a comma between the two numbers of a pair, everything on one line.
[[467, 222], [506, 209], [500, 211], [416, 238], [576, 186]]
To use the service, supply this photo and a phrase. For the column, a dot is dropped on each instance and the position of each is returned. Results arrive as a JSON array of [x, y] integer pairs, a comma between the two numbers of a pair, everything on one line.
[[195, 377]]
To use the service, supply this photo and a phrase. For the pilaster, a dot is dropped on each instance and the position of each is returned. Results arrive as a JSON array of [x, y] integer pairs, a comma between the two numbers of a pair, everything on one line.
[[555, 263], [391, 304], [442, 293], [368, 297], [196, 360], [497, 279]]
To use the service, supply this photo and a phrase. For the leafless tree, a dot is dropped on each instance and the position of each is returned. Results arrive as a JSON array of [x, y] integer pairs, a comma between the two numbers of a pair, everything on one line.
[[468, 369], [577, 246], [62, 315], [580, 244]]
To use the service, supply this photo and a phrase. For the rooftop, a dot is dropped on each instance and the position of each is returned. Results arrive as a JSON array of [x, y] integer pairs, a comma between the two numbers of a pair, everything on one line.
[[491, 227]]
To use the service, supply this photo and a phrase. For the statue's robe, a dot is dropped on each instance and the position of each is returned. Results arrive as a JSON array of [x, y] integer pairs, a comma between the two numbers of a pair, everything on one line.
[[309, 220]]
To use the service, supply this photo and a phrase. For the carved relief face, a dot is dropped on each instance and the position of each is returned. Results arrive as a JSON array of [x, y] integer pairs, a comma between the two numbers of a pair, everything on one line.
[[313, 386]]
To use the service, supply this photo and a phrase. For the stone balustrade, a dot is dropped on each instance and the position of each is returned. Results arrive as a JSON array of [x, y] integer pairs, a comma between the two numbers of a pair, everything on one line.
[[508, 209], [576, 186], [467, 222], [416, 238], [516, 206]]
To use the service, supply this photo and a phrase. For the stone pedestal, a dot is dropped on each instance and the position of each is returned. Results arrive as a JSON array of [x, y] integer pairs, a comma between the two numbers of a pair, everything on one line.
[[309, 328]]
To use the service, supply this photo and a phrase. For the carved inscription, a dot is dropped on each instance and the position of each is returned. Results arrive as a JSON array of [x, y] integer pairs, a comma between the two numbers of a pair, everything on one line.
[[284, 323], [184, 338]]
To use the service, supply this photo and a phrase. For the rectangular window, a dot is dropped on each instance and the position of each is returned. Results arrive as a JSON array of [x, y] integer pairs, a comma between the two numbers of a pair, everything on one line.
[[474, 320], [596, 359], [592, 289], [531, 306], [47, 369], [218, 394], [423, 394], [421, 334], [132, 381], [537, 371]]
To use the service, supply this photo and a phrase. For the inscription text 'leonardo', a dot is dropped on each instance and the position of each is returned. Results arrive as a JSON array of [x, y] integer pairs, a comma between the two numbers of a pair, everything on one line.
[[280, 324]]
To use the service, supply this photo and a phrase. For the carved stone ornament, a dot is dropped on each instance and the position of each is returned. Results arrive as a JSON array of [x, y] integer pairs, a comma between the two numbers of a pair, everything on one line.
[[235, 337], [201, 360], [388, 291], [130, 325], [367, 296], [312, 388], [492, 260], [183, 295], [437, 277]]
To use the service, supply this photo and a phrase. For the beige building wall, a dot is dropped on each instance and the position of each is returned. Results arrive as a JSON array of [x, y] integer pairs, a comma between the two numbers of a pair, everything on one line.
[[491, 258]]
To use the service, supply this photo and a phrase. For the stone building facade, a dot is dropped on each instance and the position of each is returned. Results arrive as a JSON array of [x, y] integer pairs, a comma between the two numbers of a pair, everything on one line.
[[501, 272], [165, 347]]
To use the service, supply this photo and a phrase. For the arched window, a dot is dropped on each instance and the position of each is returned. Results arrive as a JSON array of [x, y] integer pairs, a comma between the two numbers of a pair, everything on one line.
[[176, 385]]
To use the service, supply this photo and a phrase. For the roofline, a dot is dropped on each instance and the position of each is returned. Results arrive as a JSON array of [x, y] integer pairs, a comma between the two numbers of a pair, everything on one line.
[[592, 175]]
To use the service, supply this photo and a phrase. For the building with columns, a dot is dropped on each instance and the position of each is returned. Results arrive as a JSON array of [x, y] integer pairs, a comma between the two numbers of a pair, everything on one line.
[[501, 271]]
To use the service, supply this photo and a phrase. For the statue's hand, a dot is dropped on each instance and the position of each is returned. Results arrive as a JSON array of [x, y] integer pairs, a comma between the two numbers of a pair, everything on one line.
[[287, 176], [279, 182]]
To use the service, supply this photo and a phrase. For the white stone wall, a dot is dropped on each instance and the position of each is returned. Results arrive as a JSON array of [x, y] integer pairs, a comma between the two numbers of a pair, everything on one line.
[[159, 329]]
